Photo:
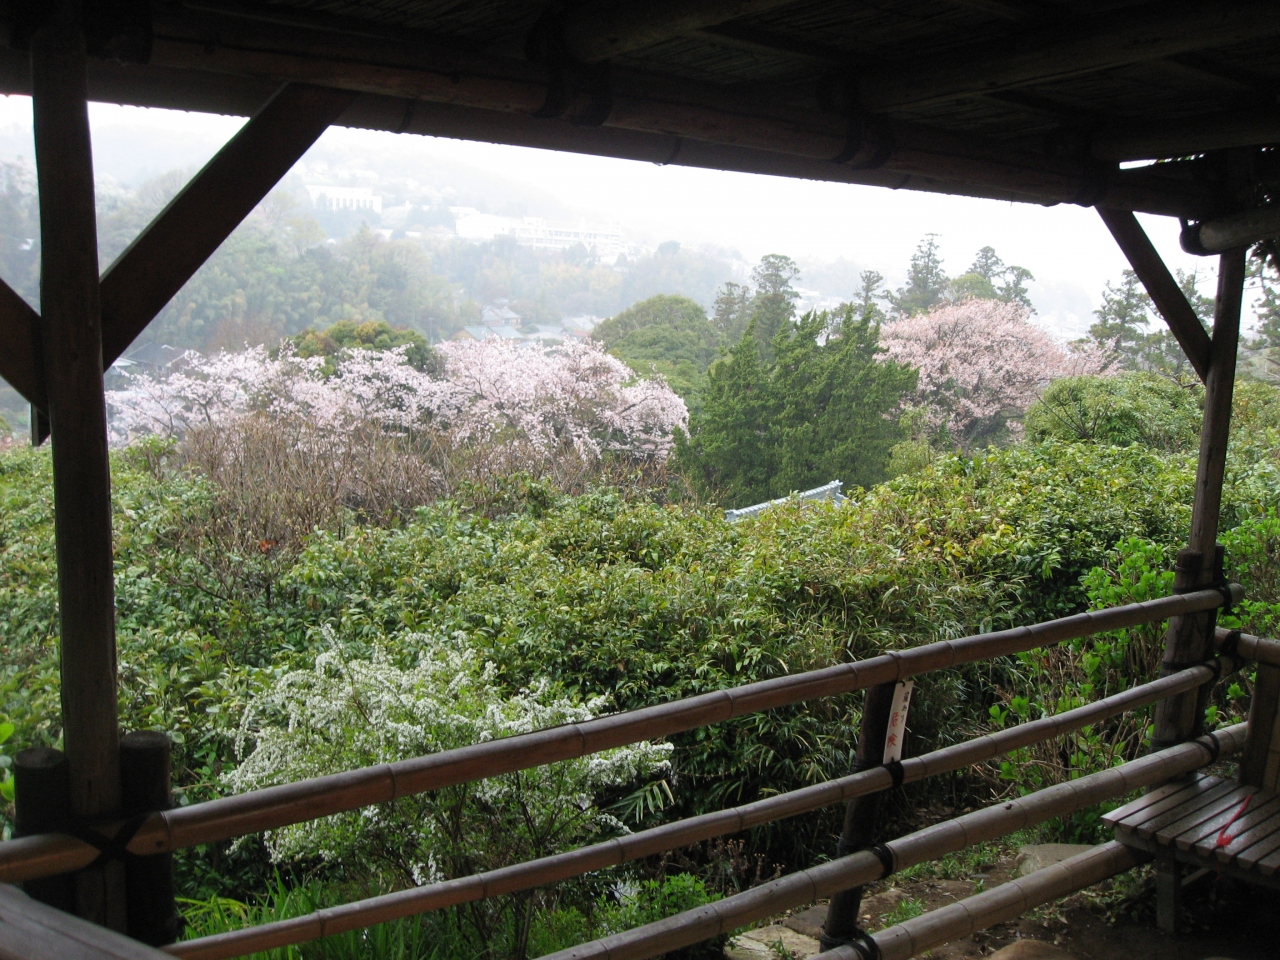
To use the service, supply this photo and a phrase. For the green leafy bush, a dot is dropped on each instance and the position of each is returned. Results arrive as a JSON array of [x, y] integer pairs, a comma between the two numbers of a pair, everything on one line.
[[1128, 408]]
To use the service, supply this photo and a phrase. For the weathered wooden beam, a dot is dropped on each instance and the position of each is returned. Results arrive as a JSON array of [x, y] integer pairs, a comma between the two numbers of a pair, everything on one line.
[[601, 31], [650, 104], [1165, 293], [71, 348], [1083, 45], [1220, 130], [19, 364], [182, 237], [1219, 386]]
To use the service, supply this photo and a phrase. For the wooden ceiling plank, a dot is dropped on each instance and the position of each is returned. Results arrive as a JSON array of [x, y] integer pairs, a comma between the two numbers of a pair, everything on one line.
[[1045, 54], [18, 362], [1134, 140], [603, 31], [1162, 287], [195, 223]]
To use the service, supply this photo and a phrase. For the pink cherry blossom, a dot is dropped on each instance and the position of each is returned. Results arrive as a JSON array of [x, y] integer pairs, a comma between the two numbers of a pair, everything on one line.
[[574, 396], [982, 363]]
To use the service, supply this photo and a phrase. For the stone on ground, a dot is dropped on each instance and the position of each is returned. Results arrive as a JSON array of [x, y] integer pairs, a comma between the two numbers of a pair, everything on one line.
[[808, 922], [1037, 856], [1032, 949], [771, 943]]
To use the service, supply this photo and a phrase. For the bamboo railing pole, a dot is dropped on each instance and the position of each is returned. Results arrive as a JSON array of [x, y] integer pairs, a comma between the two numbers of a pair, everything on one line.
[[598, 856], [275, 807], [997, 905], [861, 813], [797, 889]]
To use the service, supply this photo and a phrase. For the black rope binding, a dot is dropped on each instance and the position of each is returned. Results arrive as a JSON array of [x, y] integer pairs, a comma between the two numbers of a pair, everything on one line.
[[883, 853], [114, 847], [865, 946], [895, 770], [1214, 746]]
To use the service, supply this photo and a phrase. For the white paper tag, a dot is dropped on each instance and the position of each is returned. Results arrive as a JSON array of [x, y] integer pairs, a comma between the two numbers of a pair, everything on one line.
[[897, 720]]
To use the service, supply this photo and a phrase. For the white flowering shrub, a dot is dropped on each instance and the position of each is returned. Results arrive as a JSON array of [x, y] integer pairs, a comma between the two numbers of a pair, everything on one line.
[[345, 713]]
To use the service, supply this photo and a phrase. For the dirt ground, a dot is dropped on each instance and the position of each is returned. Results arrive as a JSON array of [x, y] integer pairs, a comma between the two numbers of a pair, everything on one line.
[[1116, 922]]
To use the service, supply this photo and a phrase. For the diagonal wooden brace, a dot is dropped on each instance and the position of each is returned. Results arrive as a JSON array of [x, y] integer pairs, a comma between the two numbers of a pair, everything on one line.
[[19, 364], [1164, 290], [183, 235], [195, 223]]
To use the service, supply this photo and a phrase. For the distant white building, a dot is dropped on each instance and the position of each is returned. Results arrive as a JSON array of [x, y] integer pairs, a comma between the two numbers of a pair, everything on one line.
[[325, 197], [471, 224]]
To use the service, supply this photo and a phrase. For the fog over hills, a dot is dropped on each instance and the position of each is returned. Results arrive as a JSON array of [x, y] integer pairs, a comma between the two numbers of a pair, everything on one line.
[[833, 231]]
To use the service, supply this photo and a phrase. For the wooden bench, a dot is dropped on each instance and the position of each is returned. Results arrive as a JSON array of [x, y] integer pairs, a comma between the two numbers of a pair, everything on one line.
[[1229, 826], [1208, 823]]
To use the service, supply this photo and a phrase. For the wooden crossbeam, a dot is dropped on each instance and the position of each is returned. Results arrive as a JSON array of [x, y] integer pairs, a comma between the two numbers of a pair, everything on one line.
[[18, 347], [196, 222], [603, 31], [1161, 286], [1045, 54]]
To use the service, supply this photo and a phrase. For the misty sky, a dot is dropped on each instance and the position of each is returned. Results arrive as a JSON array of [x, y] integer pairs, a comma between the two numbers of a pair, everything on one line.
[[1066, 247]]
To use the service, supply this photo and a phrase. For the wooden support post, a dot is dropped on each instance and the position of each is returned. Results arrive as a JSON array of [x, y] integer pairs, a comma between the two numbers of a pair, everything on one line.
[[1188, 638], [860, 815], [71, 342], [41, 800], [149, 884]]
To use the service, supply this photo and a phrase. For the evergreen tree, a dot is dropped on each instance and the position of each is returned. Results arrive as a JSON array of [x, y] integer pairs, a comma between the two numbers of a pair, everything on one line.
[[1264, 273], [1121, 323], [729, 314], [987, 265], [1013, 289], [926, 284], [774, 303], [866, 301], [818, 411]]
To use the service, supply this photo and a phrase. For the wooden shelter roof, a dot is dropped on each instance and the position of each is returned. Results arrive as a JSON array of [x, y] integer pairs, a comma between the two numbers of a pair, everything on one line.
[[1017, 99]]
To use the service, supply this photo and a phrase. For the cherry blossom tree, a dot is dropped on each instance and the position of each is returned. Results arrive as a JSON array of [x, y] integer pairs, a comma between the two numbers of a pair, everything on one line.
[[982, 363], [550, 399]]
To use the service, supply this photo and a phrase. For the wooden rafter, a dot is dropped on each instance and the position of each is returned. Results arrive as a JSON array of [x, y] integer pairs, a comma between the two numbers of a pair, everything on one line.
[[1221, 129], [1046, 54], [1159, 283], [602, 31], [669, 108]]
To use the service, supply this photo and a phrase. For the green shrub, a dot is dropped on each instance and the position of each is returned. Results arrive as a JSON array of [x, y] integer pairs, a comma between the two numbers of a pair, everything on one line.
[[1124, 409]]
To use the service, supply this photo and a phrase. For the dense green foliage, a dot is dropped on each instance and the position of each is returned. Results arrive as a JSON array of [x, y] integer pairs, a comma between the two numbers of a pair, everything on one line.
[[667, 335], [1128, 408], [818, 410], [370, 335], [639, 601]]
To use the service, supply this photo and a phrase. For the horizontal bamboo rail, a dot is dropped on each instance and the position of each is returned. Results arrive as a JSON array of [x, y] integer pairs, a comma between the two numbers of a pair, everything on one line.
[[306, 800], [1248, 647], [857, 869], [986, 909], [534, 873]]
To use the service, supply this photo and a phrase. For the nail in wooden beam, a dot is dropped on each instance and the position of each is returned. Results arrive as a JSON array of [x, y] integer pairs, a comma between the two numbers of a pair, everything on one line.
[[1164, 290], [195, 223]]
